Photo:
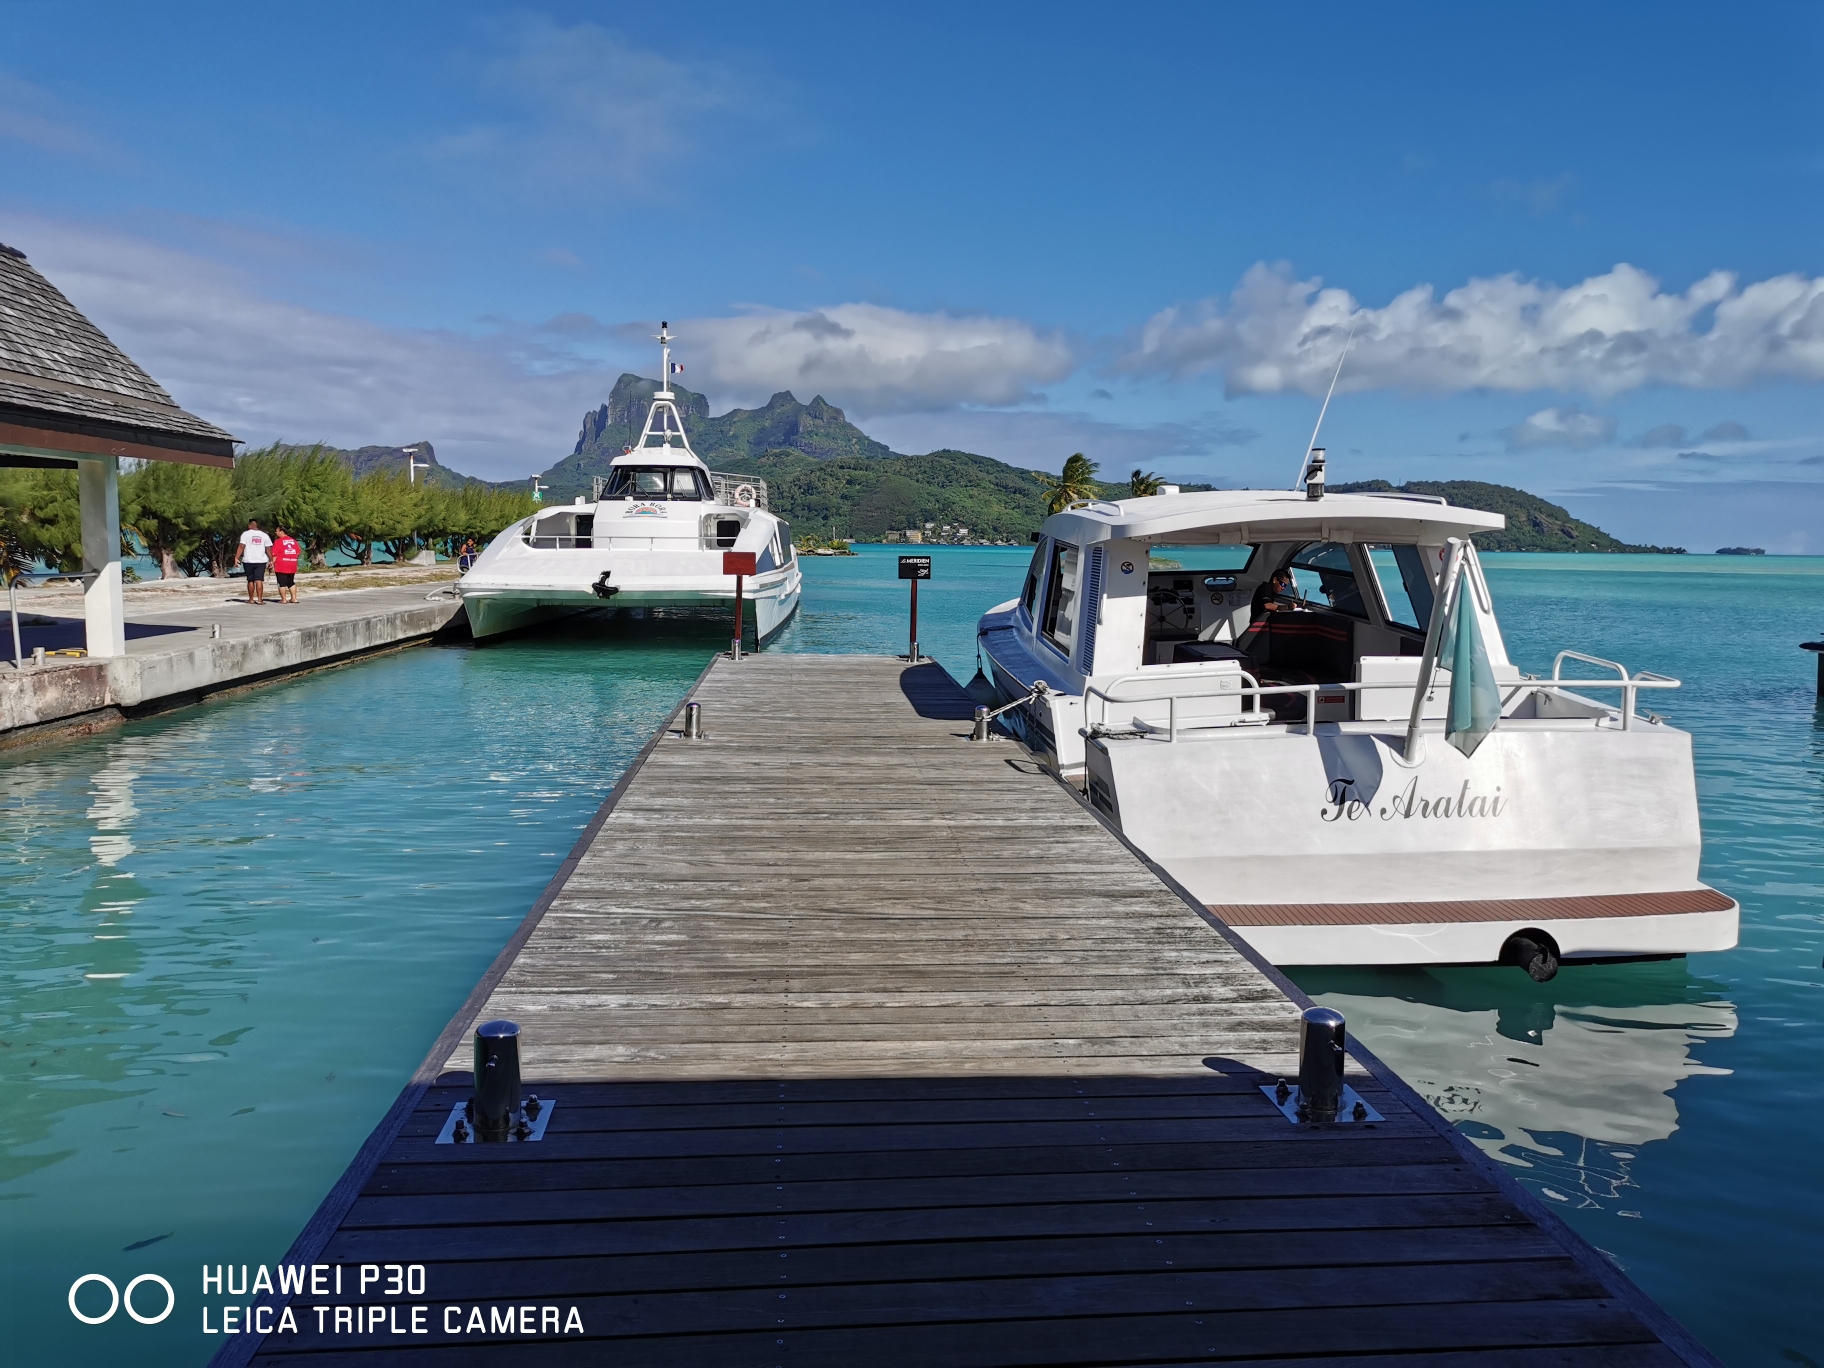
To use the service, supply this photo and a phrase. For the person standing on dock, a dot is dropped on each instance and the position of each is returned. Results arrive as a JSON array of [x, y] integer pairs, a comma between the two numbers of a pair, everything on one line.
[[285, 554], [251, 557]]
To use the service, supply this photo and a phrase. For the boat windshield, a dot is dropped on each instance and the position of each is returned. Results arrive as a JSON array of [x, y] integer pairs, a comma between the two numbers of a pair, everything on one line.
[[1325, 577], [656, 483], [1202, 560]]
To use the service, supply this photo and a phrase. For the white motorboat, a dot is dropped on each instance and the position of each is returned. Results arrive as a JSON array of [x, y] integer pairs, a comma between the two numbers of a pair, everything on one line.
[[655, 534], [1301, 707]]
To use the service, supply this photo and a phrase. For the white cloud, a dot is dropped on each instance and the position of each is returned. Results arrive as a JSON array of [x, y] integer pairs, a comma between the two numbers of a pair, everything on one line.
[[505, 402], [873, 359], [1607, 334], [1560, 427], [585, 114], [497, 406]]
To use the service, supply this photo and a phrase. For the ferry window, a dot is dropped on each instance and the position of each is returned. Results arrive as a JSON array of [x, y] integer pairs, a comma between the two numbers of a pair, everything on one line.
[[1061, 594], [1029, 595], [1326, 579], [654, 482], [1404, 584]]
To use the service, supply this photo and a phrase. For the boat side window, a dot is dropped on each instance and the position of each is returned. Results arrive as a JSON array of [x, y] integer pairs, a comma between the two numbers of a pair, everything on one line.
[[1061, 595], [1029, 595], [1404, 584], [685, 484], [1325, 578]]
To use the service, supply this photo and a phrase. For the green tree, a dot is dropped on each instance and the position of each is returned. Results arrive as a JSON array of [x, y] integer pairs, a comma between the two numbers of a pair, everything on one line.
[[175, 508], [384, 508], [1142, 484], [1076, 484], [319, 494], [42, 514]]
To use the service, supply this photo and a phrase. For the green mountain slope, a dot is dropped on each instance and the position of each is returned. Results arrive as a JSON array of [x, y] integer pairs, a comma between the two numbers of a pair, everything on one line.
[[1532, 523], [865, 497]]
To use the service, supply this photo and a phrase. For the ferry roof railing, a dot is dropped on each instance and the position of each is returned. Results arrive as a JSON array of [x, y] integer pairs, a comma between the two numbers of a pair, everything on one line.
[[1258, 515], [730, 490]]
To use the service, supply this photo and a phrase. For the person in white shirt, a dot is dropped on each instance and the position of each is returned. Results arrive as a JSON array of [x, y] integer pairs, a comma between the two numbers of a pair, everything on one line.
[[251, 555]]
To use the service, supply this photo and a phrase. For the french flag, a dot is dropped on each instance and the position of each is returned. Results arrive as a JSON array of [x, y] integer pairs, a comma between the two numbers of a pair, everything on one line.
[[677, 368]]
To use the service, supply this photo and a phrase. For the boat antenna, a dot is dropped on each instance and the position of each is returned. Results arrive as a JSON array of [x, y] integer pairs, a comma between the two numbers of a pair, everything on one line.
[[1311, 446]]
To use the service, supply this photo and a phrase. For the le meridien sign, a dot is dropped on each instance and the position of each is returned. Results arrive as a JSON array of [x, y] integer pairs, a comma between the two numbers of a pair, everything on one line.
[[319, 1301]]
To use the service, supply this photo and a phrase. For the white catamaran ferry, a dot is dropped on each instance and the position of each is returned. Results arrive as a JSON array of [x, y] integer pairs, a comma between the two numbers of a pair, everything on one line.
[[653, 535], [1302, 708]]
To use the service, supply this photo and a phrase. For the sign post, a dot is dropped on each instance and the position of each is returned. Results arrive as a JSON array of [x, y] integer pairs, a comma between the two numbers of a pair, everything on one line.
[[914, 568], [739, 564]]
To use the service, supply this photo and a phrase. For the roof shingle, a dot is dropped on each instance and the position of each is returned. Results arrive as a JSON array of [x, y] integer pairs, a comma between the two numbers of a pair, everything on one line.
[[53, 359]]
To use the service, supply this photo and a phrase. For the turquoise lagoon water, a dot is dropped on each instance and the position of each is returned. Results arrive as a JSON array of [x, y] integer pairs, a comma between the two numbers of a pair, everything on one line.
[[292, 890]]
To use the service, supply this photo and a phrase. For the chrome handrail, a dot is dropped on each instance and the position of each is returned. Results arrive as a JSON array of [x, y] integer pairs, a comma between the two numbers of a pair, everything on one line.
[[1629, 684]]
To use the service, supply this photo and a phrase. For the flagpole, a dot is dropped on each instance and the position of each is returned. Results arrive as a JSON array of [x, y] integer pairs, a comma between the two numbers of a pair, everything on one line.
[[1448, 583]]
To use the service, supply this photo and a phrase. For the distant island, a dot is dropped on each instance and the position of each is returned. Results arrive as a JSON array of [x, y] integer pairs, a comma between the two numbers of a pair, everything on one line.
[[1740, 551], [1532, 523], [834, 483]]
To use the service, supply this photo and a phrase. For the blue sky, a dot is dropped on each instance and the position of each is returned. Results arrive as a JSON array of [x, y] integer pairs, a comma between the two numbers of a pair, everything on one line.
[[1579, 245]]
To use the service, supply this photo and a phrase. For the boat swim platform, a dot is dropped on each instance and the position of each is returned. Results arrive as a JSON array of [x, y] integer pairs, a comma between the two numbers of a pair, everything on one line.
[[869, 1044], [173, 659]]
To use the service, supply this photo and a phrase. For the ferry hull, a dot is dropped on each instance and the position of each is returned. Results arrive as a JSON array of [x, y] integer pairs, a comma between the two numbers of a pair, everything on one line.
[[1429, 863], [493, 613]]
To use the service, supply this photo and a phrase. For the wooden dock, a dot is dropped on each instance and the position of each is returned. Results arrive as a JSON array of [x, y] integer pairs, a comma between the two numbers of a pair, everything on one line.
[[872, 1045]]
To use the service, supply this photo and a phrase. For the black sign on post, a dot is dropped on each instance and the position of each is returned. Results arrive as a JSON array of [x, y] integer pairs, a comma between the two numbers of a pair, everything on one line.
[[914, 568]]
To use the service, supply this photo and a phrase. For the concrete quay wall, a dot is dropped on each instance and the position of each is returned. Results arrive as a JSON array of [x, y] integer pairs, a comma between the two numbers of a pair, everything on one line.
[[73, 696]]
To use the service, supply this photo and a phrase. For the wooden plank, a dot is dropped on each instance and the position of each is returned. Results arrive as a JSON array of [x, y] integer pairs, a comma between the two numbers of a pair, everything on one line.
[[872, 1045]]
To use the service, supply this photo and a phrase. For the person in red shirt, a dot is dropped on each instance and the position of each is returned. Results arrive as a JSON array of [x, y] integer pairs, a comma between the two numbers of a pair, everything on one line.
[[285, 553]]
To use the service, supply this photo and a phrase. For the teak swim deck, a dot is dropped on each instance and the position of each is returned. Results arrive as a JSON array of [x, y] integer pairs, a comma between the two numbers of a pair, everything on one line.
[[871, 1045]]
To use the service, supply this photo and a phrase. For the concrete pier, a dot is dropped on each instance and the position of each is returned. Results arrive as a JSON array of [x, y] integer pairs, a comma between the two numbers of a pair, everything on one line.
[[187, 639]]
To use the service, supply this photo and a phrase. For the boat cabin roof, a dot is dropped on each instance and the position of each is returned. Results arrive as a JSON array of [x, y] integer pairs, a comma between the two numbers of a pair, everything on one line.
[[1261, 515]]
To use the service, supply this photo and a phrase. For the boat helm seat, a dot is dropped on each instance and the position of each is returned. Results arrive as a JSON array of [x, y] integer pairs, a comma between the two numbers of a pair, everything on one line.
[[1319, 644]]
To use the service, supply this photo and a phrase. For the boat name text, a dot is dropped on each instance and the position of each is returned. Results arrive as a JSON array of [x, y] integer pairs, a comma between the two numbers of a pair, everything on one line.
[[1344, 806]]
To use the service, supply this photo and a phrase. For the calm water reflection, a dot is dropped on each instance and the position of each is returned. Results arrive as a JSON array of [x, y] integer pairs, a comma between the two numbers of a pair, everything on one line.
[[1565, 1080]]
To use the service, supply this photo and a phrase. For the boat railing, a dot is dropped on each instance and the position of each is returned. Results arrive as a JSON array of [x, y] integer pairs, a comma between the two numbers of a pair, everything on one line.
[[736, 491], [1249, 689], [553, 542]]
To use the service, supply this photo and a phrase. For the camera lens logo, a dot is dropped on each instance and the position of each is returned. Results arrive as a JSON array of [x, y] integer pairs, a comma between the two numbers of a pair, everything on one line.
[[118, 1299]]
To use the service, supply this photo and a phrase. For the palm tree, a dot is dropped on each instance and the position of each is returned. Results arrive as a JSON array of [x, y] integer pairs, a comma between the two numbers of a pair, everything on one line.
[[1142, 484], [1077, 484]]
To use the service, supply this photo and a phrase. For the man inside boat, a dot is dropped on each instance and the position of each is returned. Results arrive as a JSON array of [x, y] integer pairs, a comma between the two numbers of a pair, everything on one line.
[[1274, 595]]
